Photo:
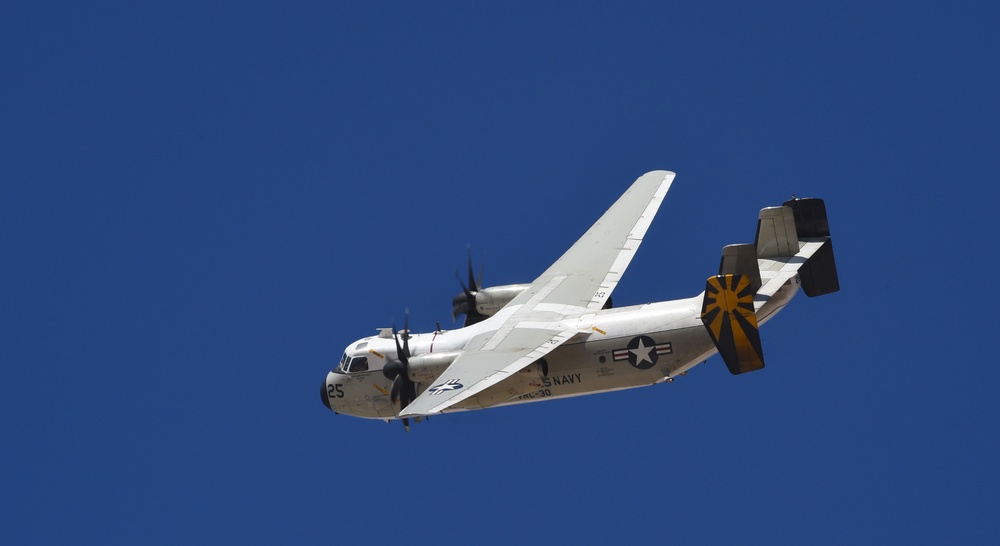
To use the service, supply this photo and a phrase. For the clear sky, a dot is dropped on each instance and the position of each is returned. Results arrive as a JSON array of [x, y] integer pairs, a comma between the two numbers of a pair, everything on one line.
[[202, 203]]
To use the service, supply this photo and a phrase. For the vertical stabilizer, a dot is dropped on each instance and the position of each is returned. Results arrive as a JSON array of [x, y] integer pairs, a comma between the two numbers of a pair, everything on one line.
[[819, 274], [741, 260], [776, 233], [728, 313]]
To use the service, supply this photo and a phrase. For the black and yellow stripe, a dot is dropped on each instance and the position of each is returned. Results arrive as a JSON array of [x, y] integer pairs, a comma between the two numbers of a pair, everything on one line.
[[728, 314]]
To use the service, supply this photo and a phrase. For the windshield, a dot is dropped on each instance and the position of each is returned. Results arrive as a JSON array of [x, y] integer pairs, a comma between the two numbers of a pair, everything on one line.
[[339, 368]]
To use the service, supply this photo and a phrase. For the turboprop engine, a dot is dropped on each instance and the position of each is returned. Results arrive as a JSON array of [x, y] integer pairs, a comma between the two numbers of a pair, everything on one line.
[[478, 303]]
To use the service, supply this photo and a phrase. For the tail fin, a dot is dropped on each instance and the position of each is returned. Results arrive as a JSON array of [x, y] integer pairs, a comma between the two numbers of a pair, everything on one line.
[[741, 260], [792, 241], [728, 313], [777, 235], [819, 274]]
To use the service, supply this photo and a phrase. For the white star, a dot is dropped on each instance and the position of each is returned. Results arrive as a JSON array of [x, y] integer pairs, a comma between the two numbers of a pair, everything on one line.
[[643, 351]]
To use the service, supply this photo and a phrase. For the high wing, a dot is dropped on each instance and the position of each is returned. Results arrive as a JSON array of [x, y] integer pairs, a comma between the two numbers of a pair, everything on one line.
[[547, 313]]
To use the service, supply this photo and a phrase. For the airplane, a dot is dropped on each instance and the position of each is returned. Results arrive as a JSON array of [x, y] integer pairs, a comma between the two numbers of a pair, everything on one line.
[[559, 336]]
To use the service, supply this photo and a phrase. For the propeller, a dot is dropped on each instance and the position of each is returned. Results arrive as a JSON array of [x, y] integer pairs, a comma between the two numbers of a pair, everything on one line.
[[398, 371], [465, 303]]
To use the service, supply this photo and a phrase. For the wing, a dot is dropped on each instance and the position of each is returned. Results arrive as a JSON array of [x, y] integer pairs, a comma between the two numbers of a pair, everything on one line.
[[596, 262], [544, 316], [475, 371]]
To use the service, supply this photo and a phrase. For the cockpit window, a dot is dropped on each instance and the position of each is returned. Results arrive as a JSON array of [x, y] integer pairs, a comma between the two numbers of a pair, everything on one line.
[[343, 363], [359, 364]]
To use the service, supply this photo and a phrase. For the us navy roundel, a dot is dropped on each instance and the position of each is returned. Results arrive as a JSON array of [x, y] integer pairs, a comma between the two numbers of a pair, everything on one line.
[[450, 385], [642, 352]]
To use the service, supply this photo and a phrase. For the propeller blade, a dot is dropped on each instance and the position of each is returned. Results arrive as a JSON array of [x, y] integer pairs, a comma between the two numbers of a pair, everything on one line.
[[472, 276], [411, 392], [403, 389], [465, 303], [406, 337], [401, 354], [470, 295], [397, 388]]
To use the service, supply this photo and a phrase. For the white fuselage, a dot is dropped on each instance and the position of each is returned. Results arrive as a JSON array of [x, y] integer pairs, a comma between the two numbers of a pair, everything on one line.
[[614, 349]]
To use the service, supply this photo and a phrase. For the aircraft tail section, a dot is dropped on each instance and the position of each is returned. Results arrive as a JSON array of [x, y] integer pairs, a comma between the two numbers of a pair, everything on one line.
[[794, 240], [792, 247]]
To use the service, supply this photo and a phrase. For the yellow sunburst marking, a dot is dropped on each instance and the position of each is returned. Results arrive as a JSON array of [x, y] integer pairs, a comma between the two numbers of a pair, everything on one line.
[[729, 300]]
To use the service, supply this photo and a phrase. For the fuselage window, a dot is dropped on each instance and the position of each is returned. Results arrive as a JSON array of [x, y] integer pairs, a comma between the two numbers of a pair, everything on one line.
[[359, 364]]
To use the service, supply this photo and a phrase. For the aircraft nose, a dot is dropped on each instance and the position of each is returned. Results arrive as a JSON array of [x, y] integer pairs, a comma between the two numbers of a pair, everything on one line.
[[325, 395]]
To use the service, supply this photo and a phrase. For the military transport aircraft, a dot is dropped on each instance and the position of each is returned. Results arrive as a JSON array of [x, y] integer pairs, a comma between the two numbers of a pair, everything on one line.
[[559, 336]]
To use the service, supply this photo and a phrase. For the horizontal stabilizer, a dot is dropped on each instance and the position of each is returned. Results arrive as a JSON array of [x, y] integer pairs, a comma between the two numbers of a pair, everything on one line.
[[728, 313]]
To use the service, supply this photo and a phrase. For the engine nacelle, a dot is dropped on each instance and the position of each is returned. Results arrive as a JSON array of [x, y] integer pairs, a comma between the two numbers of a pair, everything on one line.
[[427, 367], [492, 299]]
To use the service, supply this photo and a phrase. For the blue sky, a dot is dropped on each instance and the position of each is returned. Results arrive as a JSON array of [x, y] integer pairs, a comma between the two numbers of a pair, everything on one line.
[[201, 204]]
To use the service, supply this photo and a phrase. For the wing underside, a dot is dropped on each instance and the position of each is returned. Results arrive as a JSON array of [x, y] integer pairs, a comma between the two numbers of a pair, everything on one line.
[[543, 317]]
